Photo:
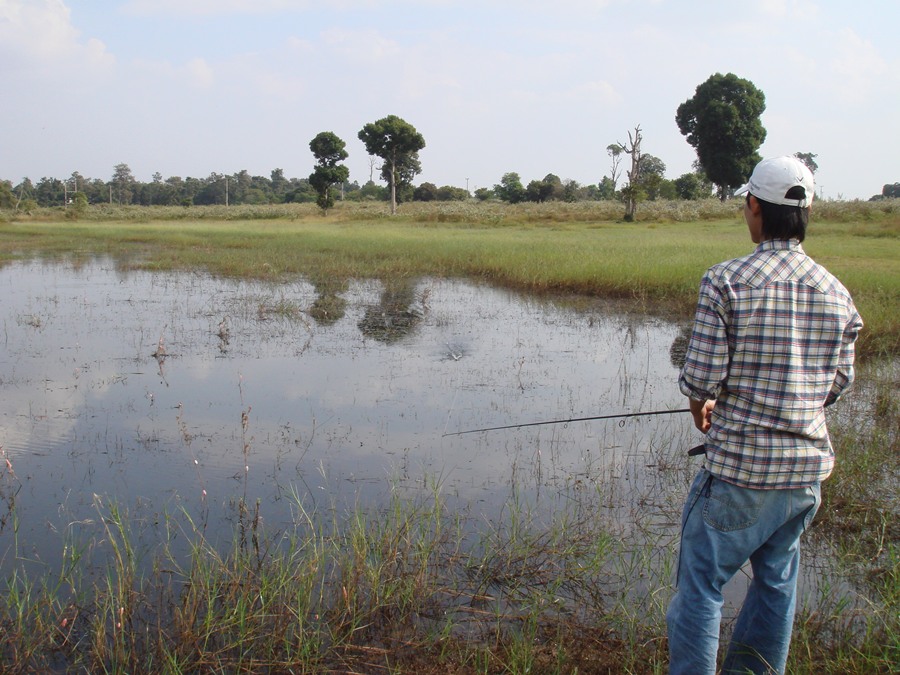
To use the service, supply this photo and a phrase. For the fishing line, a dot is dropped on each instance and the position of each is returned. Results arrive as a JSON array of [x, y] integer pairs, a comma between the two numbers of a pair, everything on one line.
[[520, 425], [450, 412]]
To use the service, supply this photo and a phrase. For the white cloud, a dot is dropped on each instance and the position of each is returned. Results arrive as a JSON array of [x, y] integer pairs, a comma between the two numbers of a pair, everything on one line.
[[222, 7], [598, 91], [194, 75], [361, 46], [39, 35], [790, 9], [857, 65], [200, 73], [279, 87], [210, 7]]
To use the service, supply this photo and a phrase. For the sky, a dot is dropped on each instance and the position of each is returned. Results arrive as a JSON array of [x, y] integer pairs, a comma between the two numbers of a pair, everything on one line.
[[194, 87]]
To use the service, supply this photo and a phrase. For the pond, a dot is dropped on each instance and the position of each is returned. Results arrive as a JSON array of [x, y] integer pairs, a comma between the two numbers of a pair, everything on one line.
[[180, 394]]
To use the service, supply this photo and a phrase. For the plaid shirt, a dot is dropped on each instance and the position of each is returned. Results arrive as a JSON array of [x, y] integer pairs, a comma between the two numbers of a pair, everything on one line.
[[772, 342]]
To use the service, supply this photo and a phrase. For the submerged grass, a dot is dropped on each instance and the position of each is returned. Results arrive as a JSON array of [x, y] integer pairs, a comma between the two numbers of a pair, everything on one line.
[[417, 587]]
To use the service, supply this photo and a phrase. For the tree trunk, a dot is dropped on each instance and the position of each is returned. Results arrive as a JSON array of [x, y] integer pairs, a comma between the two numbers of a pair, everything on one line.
[[393, 183], [634, 176], [393, 191]]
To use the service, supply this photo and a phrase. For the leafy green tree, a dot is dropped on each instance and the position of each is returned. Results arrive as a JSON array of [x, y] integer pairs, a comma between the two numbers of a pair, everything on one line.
[[397, 142], [651, 165], [890, 191], [482, 194], [692, 186], [123, 184], [449, 193], [535, 191], [652, 177], [77, 207], [24, 190], [606, 189], [588, 193], [722, 122], [240, 189], [300, 193], [329, 150], [7, 196], [426, 192], [50, 192], [350, 189], [99, 191], [406, 172], [570, 191], [510, 188], [212, 190], [371, 191], [808, 158], [666, 189], [553, 188], [279, 185]]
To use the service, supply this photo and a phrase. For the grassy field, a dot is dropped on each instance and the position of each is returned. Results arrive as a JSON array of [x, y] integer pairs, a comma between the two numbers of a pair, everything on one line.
[[406, 590], [542, 248]]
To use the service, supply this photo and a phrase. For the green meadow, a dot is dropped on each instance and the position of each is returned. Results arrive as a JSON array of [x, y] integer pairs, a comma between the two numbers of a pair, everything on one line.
[[576, 249], [406, 590]]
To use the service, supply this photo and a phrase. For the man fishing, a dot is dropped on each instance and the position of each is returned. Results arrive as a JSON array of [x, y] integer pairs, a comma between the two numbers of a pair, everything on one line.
[[772, 346]]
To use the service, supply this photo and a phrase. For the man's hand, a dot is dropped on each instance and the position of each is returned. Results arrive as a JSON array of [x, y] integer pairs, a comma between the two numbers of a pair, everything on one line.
[[702, 412]]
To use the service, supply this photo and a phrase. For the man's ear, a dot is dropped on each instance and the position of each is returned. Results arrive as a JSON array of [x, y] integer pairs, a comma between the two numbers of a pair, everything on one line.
[[753, 204]]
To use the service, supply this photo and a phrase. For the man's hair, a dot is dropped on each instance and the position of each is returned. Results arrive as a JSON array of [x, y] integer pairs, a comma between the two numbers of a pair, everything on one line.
[[784, 222]]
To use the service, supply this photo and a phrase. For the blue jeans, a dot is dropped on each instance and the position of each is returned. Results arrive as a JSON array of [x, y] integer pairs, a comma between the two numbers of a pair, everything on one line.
[[723, 526]]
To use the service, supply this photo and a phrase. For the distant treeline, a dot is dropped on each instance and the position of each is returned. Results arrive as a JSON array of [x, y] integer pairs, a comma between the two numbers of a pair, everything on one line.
[[124, 189], [243, 188]]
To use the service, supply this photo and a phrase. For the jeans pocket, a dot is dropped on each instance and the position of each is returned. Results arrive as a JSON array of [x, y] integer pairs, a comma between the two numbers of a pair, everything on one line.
[[730, 507], [815, 492]]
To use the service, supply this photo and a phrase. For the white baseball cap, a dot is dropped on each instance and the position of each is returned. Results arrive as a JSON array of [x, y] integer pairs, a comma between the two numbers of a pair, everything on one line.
[[772, 178]]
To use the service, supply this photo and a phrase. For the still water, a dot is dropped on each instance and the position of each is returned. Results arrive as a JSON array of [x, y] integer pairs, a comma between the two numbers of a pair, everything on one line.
[[182, 393], [180, 398]]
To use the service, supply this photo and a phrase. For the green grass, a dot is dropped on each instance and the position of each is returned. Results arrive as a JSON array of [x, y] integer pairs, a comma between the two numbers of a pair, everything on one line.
[[857, 629], [540, 248]]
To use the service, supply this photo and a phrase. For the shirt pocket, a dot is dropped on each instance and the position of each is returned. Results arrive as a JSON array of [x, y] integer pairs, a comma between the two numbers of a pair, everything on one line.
[[729, 507]]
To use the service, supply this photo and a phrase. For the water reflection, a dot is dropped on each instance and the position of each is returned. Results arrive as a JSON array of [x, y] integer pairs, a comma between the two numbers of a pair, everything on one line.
[[182, 393], [397, 313], [329, 307], [121, 382]]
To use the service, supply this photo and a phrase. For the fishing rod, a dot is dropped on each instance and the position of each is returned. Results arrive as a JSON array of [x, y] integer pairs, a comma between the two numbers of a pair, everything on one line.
[[571, 419]]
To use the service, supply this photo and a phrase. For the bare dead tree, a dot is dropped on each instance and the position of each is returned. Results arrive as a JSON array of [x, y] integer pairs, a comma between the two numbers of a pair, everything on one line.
[[631, 190], [614, 150]]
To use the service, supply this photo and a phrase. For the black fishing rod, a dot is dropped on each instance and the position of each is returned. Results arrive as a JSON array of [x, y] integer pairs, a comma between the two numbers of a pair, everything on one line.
[[571, 419]]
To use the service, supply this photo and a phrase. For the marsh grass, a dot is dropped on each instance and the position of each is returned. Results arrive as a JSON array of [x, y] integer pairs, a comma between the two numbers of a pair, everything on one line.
[[394, 591], [555, 249], [860, 524], [419, 587]]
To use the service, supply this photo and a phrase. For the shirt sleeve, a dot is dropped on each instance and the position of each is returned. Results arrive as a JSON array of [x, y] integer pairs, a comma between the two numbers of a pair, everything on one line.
[[706, 361], [845, 373]]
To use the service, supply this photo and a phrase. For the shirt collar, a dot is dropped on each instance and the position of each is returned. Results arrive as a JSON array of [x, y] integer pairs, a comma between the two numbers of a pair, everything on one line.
[[780, 245]]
